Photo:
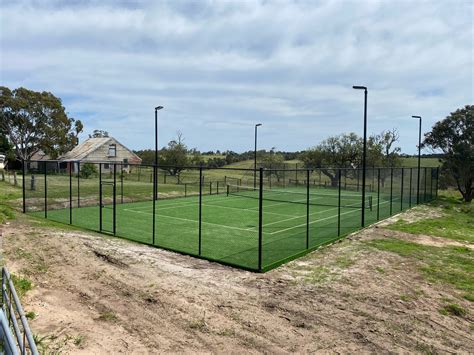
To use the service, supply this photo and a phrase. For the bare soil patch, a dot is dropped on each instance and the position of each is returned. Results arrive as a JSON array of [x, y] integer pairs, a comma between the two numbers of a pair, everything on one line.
[[95, 294]]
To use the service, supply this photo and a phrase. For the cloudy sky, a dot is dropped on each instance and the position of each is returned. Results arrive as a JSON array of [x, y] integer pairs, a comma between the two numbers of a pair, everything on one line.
[[219, 67]]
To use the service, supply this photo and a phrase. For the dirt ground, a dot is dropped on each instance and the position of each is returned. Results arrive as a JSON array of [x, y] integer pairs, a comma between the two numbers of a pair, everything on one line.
[[94, 294]]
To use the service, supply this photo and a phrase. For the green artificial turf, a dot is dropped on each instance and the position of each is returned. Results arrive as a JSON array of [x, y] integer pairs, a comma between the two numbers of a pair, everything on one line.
[[230, 224], [229, 228]]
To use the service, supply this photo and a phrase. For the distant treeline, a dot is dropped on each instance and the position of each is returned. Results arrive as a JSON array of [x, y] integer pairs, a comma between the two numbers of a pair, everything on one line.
[[215, 159]]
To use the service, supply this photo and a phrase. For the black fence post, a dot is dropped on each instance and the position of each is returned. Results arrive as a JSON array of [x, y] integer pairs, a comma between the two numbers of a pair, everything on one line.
[[358, 178], [45, 191], [391, 190], [155, 194], [307, 209], [114, 218], [431, 184], [78, 184], [424, 194], [411, 175], [200, 210], [339, 205], [70, 192], [437, 181], [121, 184], [23, 186], [401, 191], [378, 194], [260, 221], [100, 197]]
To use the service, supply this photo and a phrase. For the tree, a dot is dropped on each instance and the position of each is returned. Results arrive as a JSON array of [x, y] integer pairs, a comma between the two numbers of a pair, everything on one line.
[[382, 152], [35, 121], [175, 156], [98, 133], [272, 160], [454, 135], [147, 156], [334, 152]]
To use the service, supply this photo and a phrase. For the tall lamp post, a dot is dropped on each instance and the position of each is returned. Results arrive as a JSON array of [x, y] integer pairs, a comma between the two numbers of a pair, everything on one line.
[[364, 154], [156, 152], [419, 161], [255, 158]]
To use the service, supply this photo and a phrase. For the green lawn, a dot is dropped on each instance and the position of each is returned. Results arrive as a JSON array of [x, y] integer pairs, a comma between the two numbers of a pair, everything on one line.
[[456, 222]]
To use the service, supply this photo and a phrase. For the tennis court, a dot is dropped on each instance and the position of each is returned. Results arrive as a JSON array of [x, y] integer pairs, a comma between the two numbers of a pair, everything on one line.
[[256, 228]]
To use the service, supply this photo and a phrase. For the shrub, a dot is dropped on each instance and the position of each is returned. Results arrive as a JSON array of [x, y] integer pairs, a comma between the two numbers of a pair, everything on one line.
[[87, 170]]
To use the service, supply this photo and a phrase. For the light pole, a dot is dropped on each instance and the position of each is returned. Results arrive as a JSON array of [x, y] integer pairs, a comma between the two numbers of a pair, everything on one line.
[[255, 158], [364, 154], [156, 152], [419, 161]]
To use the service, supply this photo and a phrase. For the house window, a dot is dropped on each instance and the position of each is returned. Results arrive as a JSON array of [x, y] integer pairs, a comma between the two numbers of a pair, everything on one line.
[[125, 163], [112, 150], [106, 166]]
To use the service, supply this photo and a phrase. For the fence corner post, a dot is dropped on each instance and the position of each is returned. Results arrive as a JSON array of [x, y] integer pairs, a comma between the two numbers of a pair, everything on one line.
[[200, 212], [23, 185], [260, 220]]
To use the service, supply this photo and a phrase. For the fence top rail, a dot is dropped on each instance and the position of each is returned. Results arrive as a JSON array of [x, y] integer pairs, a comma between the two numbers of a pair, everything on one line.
[[196, 167]]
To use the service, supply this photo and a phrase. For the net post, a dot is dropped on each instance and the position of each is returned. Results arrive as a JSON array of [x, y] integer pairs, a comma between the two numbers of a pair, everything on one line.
[[45, 191], [227, 190], [153, 224], [391, 190], [23, 186], [200, 211], [378, 194], [411, 176], [100, 197], [78, 184], [115, 199], [307, 209], [339, 204], [70, 191], [260, 220], [401, 191]]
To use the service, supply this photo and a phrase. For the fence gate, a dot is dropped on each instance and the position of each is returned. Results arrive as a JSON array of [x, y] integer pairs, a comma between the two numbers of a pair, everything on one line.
[[107, 201]]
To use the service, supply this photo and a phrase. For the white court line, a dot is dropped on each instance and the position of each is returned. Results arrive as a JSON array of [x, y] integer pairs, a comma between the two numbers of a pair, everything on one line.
[[177, 205], [243, 209], [317, 220], [192, 220]]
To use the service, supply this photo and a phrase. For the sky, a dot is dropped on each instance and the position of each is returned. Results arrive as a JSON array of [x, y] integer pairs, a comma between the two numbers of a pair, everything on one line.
[[220, 67]]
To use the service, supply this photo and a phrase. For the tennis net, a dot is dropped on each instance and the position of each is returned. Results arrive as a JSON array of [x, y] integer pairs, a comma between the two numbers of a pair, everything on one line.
[[301, 197]]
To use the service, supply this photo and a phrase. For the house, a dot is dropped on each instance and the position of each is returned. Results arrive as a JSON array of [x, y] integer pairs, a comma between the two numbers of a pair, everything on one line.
[[38, 160], [105, 150]]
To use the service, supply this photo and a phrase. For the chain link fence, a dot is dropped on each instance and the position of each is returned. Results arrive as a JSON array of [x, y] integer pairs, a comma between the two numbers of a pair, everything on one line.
[[251, 219]]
